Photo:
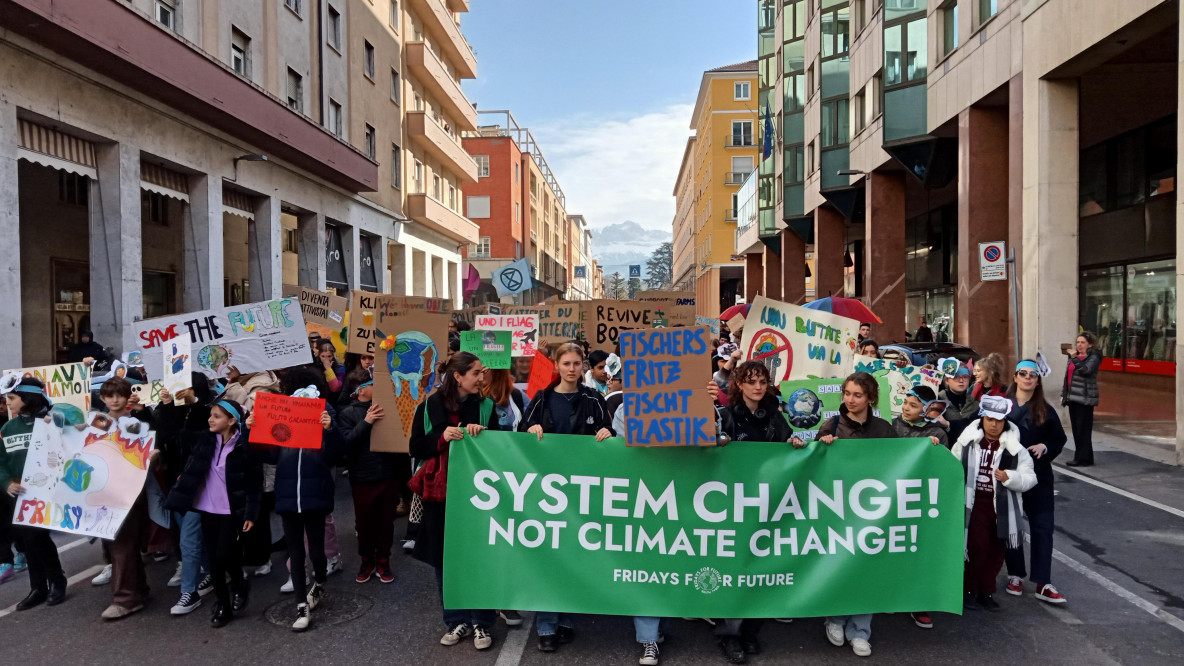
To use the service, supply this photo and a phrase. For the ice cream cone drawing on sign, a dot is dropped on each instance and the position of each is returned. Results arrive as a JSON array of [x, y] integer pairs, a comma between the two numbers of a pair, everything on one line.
[[411, 357]]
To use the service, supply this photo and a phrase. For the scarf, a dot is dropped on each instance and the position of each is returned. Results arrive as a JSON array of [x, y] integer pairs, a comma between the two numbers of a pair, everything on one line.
[[1008, 509]]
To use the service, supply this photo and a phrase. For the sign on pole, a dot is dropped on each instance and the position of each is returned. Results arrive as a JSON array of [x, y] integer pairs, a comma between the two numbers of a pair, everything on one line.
[[992, 261]]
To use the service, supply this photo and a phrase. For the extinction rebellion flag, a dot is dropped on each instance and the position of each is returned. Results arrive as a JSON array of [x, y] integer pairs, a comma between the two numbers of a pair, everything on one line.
[[749, 530]]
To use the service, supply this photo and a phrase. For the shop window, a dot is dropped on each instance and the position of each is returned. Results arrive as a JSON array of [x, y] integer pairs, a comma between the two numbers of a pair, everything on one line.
[[1132, 310], [160, 294]]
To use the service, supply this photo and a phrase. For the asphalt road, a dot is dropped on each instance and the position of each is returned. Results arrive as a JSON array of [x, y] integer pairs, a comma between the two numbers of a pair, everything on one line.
[[1120, 536]]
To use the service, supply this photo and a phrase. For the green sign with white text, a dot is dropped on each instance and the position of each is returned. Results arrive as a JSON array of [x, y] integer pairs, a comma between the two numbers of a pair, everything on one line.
[[753, 529]]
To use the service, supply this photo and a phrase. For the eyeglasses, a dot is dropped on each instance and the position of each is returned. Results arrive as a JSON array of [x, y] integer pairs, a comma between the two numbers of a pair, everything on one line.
[[1027, 373]]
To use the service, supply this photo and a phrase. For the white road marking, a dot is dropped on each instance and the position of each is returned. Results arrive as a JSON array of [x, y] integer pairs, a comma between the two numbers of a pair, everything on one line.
[[1119, 491], [70, 582], [1118, 590], [72, 545], [515, 645], [1061, 614]]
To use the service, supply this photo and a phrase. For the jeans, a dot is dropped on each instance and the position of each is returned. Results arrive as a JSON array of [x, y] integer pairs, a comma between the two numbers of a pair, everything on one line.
[[854, 626], [298, 527], [547, 622], [453, 617], [192, 558], [1041, 526], [1081, 418], [646, 628]]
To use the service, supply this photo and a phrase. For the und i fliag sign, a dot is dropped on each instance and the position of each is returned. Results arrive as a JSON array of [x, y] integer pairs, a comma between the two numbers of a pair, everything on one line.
[[665, 401]]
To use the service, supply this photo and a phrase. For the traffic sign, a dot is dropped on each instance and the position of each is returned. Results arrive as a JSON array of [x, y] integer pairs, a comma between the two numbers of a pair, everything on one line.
[[992, 261], [635, 271]]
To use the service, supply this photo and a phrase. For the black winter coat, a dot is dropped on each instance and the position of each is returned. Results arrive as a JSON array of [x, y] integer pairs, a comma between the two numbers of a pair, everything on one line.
[[364, 465], [1051, 434], [766, 424], [427, 443], [589, 413], [844, 427], [1083, 389], [304, 477], [244, 475]]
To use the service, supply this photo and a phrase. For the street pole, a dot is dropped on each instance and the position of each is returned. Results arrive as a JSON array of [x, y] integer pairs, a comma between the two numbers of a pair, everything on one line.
[[1015, 305]]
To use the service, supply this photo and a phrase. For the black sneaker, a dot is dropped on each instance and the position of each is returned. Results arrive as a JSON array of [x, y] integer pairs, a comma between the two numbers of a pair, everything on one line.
[[970, 602], [188, 603], [565, 635], [206, 585], [547, 643], [649, 654], [988, 603], [751, 644], [512, 618], [733, 651]]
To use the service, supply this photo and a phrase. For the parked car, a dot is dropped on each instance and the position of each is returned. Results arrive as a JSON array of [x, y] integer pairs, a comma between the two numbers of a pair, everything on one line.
[[927, 353]]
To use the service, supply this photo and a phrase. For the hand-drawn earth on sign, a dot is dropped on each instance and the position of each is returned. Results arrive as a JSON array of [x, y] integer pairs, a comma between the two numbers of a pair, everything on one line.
[[511, 279], [772, 348], [411, 357]]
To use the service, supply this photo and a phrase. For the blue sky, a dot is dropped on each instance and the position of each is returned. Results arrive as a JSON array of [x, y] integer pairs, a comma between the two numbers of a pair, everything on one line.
[[606, 88]]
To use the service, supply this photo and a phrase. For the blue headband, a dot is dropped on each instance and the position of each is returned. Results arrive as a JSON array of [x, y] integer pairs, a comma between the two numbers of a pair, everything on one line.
[[362, 386], [1027, 365], [34, 390], [230, 409]]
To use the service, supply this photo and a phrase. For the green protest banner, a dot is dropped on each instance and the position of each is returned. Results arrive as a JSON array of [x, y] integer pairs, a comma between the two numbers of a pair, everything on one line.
[[811, 402], [492, 347], [753, 529]]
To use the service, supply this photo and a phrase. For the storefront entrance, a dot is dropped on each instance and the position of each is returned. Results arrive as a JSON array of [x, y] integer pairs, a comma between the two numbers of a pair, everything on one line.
[[1132, 310]]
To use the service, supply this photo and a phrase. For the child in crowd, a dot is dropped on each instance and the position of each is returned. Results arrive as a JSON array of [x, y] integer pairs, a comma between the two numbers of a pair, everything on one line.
[[597, 377], [373, 479], [912, 421]]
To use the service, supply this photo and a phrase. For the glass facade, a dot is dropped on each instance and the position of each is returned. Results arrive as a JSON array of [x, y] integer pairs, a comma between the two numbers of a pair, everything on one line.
[[1132, 310], [768, 53], [834, 89], [793, 121], [906, 52]]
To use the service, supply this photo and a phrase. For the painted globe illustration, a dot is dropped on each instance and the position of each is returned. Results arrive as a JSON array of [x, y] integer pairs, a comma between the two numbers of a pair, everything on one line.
[[412, 359], [804, 409]]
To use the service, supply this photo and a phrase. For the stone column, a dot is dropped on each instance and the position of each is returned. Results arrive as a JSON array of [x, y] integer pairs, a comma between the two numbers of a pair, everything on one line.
[[379, 246], [754, 275], [116, 260], [265, 250], [884, 273], [772, 274], [1015, 199], [981, 308], [1049, 245], [10, 236], [793, 267], [204, 273], [311, 230], [829, 246], [400, 277], [1179, 269]]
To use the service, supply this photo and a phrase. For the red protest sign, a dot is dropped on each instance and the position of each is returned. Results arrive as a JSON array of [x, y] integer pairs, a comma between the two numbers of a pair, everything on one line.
[[542, 371], [282, 420]]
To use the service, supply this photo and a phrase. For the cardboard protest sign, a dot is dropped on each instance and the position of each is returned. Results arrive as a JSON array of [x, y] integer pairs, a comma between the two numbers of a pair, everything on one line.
[[177, 365], [468, 315], [542, 373], [798, 343], [524, 330], [604, 320], [663, 373], [319, 307], [252, 337], [558, 321], [407, 351], [900, 380], [371, 312], [709, 322], [66, 385], [812, 402], [83, 480], [492, 347], [283, 420], [677, 306]]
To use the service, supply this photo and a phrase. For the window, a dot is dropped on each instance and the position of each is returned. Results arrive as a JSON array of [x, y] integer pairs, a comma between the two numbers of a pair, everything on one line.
[[477, 208], [481, 249], [294, 5], [835, 123], [334, 120], [810, 81], [836, 32], [810, 158], [417, 177], [859, 103], [905, 53], [743, 91], [437, 187], [73, 189], [394, 18], [795, 168], [877, 95], [371, 139], [295, 91], [154, 208], [452, 203], [396, 167], [396, 88], [742, 133], [240, 49], [166, 13], [517, 212], [482, 165], [859, 14], [368, 62], [949, 27], [291, 240], [333, 28], [516, 173], [741, 167], [987, 9]]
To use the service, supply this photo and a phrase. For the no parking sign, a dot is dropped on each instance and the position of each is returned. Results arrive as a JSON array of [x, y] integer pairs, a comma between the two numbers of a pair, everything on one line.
[[992, 261]]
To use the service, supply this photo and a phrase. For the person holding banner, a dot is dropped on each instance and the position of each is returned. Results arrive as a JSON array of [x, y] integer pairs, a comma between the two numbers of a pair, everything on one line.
[[457, 409], [223, 482], [855, 421], [567, 407], [912, 421], [1044, 436], [47, 582]]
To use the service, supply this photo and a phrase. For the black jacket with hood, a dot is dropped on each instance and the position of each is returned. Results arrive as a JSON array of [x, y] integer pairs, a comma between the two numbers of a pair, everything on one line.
[[589, 412], [844, 427], [364, 465], [766, 424], [244, 475]]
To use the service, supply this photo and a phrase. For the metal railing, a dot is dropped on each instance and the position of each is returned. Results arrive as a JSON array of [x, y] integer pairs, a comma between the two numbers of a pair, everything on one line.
[[734, 141], [736, 177]]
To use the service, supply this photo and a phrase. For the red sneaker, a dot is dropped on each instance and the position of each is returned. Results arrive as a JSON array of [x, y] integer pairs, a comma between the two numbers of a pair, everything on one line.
[[922, 620], [1015, 586], [383, 569], [1049, 594], [365, 571]]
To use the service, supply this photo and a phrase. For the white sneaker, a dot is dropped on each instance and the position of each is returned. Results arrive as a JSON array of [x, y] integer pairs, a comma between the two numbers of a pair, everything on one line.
[[188, 603], [175, 581], [408, 545], [333, 565], [457, 634], [834, 634], [649, 654], [861, 647], [103, 578], [302, 618], [315, 593], [288, 587], [263, 570], [481, 638]]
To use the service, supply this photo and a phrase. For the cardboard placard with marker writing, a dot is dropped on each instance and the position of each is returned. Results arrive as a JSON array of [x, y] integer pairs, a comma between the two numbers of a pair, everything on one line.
[[407, 350], [559, 321], [665, 401], [283, 420], [604, 320], [370, 313], [678, 306]]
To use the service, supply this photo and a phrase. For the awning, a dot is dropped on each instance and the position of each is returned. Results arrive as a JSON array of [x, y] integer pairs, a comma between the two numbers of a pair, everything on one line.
[[237, 203], [160, 180], [51, 148]]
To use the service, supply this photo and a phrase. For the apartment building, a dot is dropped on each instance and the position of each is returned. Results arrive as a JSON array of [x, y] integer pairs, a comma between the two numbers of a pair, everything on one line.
[[579, 282], [163, 156], [521, 211], [683, 238], [908, 132]]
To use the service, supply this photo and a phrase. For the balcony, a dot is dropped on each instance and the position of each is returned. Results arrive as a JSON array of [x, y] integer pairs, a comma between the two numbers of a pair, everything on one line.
[[736, 177], [441, 219], [430, 73], [735, 141], [433, 14], [458, 5], [435, 141]]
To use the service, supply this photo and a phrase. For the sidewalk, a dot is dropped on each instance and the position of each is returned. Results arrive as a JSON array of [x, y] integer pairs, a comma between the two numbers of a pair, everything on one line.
[[1140, 464]]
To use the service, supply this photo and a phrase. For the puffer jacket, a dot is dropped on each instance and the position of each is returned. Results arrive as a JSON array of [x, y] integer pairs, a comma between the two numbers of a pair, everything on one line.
[[244, 392], [304, 477], [1083, 389], [364, 465], [766, 424], [844, 427], [244, 475]]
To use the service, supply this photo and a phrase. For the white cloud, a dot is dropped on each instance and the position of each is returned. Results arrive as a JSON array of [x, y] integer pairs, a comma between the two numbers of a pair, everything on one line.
[[617, 169]]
